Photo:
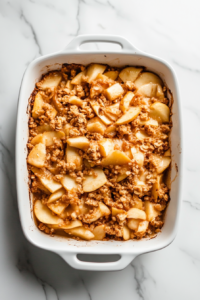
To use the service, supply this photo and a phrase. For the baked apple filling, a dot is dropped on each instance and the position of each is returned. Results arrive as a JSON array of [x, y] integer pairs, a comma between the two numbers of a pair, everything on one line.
[[99, 153]]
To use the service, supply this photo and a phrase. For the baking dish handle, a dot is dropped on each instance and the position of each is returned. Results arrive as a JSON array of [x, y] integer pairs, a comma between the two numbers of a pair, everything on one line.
[[75, 44], [73, 261]]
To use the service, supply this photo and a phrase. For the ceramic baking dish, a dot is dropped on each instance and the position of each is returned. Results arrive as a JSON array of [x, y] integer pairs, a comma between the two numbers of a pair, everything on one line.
[[69, 248]]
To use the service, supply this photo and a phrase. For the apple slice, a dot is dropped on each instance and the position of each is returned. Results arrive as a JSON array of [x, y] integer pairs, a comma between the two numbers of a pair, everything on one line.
[[147, 77], [72, 156], [37, 156], [116, 211], [167, 153], [57, 195], [44, 215], [106, 146], [138, 204], [141, 135], [138, 156], [125, 102], [38, 139], [160, 112], [151, 122], [93, 70], [121, 177], [126, 233], [129, 116], [78, 78], [96, 107], [130, 74], [69, 183], [111, 131], [38, 106], [72, 224], [46, 179], [93, 182], [69, 85], [43, 128], [50, 80], [151, 90], [101, 211], [81, 232], [157, 186], [66, 129], [133, 224], [113, 109], [161, 163], [50, 135], [96, 125], [114, 91], [116, 157], [135, 213], [57, 208], [80, 142], [151, 212], [75, 101], [99, 232], [112, 74], [142, 228], [105, 211]]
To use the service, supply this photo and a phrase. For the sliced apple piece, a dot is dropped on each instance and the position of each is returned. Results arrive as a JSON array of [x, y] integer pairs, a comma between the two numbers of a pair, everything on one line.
[[151, 122], [57, 195], [106, 146], [116, 157], [50, 80], [38, 106], [113, 109], [43, 128], [46, 179], [151, 212], [114, 91], [138, 156], [167, 153], [133, 224], [66, 129], [126, 233], [112, 74], [50, 135], [121, 177], [101, 211], [160, 112], [93, 182], [111, 131], [96, 125], [44, 215], [138, 204], [148, 90], [37, 156], [75, 101], [116, 211], [104, 209], [142, 228], [38, 139], [147, 77], [129, 116], [125, 102], [136, 213], [157, 186], [69, 183], [130, 74], [99, 232], [72, 156], [141, 135], [80, 142], [93, 70], [161, 162], [96, 107], [78, 78], [72, 224], [81, 232], [57, 208], [69, 85]]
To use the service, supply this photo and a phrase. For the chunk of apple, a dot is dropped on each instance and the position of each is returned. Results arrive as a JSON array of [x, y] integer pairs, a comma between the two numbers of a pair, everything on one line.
[[81, 232], [147, 77], [75, 101], [141, 135], [44, 215], [126, 233], [113, 109], [57, 195], [142, 228], [133, 224], [93, 70], [160, 112], [106, 146], [112, 74], [115, 157], [43, 128], [70, 225], [116, 211], [50, 135], [167, 153], [38, 106], [130, 74], [136, 213], [151, 122], [157, 186], [101, 211], [80, 142], [161, 162], [114, 91], [50, 80], [57, 208], [125, 102], [99, 232], [138, 156], [151, 90], [96, 107], [72, 156], [38, 139], [69, 183], [96, 125], [46, 179], [69, 85], [138, 203], [111, 131], [78, 78], [66, 129], [129, 116], [37, 156], [151, 212], [95, 181]]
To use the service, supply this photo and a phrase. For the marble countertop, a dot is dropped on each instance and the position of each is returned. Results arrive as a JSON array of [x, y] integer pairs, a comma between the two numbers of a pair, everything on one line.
[[168, 29]]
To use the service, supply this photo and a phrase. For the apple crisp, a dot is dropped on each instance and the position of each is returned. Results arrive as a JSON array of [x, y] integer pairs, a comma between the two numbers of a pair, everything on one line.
[[99, 152]]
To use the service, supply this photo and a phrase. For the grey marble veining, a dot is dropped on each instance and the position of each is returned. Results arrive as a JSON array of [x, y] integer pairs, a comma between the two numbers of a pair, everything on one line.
[[36, 27]]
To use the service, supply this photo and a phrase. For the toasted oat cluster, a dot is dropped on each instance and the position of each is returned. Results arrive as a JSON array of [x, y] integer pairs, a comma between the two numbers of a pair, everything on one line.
[[98, 152]]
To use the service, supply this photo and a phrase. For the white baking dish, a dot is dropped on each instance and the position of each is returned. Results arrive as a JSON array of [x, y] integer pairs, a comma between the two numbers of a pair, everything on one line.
[[68, 248]]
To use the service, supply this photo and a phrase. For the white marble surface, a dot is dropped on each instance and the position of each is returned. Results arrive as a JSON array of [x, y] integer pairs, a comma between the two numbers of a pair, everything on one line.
[[169, 29]]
